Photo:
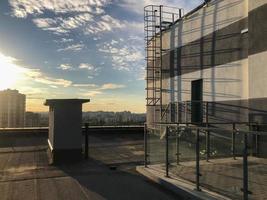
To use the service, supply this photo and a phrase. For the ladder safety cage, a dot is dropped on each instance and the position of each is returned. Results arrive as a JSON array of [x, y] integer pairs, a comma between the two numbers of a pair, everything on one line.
[[157, 18]]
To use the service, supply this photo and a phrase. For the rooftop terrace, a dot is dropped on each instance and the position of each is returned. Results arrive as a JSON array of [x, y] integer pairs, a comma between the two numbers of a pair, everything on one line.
[[109, 173]]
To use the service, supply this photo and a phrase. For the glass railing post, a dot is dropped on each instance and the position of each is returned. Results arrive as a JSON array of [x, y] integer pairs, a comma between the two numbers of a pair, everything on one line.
[[245, 168], [185, 112], [145, 145], [86, 148], [233, 140], [257, 140], [207, 133], [197, 161], [177, 145], [167, 152]]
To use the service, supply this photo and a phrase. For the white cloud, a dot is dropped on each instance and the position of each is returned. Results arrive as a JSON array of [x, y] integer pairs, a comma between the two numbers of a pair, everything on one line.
[[23, 8], [44, 22], [75, 21], [93, 71], [91, 93], [39, 77], [124, 57], [73, 47], [98, 89], [87, 15], [10, 68], [88, 23], [64, 40], [65, 67], [86, 66], [105, 23], [84, 85], [111, 86]]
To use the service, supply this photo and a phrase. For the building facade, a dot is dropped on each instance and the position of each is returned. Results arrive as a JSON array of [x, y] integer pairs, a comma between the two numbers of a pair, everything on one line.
[[12, 109], [216, 55], [32, 119]]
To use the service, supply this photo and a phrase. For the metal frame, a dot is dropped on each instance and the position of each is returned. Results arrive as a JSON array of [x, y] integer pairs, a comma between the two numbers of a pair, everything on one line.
[[197, 129], [157, 18]]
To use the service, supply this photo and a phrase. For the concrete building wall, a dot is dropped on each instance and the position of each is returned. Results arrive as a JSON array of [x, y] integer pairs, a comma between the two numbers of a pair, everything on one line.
[[257, 48], [212, 44]]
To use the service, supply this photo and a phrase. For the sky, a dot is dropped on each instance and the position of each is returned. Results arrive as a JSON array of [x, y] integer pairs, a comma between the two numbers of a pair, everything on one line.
[[76, 49]]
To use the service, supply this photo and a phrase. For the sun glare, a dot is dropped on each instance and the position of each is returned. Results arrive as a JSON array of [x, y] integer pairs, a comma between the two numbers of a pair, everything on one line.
[[9, 72]]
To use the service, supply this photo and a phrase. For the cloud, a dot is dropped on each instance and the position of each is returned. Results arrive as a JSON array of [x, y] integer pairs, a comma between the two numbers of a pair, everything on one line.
[[105, 23], [9, 65], [73, 47], [88, 23], [39, 77], [91, 93], [65, 67], [106, 86], [111, 86], [124, 57], [98, 89], [93, 71], [87, 15], [84, 85], [64, 40], [86, 66], [44, 22], [23, 8], [75, 21]]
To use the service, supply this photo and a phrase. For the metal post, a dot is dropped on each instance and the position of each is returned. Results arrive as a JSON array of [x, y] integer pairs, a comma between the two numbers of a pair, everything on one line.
[[145, 145], [161, 59], [207, 145], [245, 168], [233, 140], [207, 133], [185, 112], [167, 152], [86, 141], [207, 113], [257, 140], [177, 146], [197, 162]]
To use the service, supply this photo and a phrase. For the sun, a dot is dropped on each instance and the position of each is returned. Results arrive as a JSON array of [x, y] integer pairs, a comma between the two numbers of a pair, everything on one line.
[[9, 72]]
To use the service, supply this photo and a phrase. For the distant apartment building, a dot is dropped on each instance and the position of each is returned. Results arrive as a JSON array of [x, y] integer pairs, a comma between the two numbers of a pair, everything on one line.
[[32, 119], [12, 109]]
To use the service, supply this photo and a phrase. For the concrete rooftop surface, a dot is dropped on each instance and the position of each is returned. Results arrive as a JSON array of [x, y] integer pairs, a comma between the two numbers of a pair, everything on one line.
[[109, 173]]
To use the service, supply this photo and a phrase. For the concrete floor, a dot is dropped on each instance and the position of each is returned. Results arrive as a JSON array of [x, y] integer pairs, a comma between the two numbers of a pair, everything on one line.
[[26, 174]]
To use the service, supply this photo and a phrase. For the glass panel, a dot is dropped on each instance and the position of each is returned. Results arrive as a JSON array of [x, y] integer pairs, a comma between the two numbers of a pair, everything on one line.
[[182, 154], [156, 147], [257, 166], [222, 173]]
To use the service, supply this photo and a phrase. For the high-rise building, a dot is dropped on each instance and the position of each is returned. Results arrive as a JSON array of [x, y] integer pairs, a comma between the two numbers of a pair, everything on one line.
[[32, 119], [12, 109]]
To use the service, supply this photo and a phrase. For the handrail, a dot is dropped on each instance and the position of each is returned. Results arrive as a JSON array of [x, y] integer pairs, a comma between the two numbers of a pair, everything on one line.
[[213, 129]]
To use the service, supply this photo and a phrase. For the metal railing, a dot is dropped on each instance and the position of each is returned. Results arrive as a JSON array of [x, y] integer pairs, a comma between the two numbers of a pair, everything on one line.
[[194, 135], [208, 111]]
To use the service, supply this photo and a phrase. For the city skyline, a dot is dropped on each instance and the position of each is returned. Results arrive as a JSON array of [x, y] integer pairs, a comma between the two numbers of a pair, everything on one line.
[[76, 49]]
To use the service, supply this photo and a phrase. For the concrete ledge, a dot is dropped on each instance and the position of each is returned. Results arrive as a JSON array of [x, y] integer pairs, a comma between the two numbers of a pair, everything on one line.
[[91, 130], [178, 186]]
